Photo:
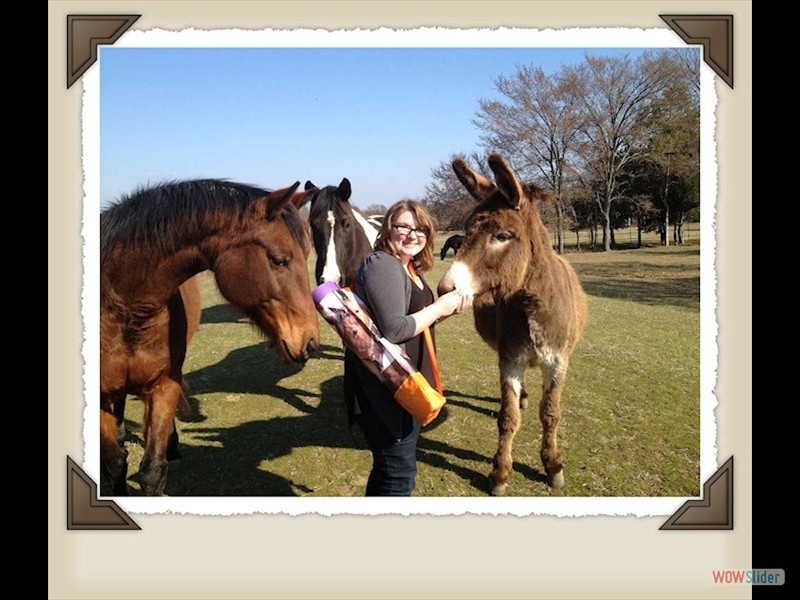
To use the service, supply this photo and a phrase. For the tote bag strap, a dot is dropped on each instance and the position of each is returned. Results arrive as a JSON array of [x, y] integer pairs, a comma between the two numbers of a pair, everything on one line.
[[426, 334]]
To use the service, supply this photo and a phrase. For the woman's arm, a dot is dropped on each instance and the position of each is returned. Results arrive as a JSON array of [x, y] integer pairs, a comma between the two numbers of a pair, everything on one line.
[[445, 305], [386, 288]]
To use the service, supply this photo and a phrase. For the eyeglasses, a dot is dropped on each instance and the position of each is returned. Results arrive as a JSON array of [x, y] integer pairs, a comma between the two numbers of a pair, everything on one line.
[[408, 230]]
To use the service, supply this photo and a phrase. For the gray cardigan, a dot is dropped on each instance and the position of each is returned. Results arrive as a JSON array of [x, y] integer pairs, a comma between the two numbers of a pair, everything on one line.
[[384, 285]]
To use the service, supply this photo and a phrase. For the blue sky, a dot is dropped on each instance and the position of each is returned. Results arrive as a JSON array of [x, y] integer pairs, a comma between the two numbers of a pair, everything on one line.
[[382, 117]]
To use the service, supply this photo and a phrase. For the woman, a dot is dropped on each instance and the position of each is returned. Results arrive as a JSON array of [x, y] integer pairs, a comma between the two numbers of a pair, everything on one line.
[[402, 306]]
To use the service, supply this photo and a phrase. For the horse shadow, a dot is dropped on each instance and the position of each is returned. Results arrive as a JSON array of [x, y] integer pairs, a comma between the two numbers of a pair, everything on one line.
[[229, 461], [232, 457], [221, 313], [254, 370]]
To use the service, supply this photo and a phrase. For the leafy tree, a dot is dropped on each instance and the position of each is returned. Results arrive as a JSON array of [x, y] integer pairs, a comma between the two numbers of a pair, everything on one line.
[[674, 141]]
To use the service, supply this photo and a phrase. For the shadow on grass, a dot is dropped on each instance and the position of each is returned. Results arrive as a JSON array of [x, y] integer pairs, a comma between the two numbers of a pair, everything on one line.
[[254, 370], [228, 463], [436, 455], [221, 313], [682, 292]]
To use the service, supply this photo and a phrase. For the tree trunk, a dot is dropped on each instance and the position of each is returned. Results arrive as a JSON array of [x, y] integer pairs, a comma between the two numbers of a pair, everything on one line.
[[560, 221], [638, 231], [613, 238], [607, 229], [666, 224], [578, 239]]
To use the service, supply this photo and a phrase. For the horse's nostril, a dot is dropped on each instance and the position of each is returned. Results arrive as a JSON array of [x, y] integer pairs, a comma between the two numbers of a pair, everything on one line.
[[311, 347]]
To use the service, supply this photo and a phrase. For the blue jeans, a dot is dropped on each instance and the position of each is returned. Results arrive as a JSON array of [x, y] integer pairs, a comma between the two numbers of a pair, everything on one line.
[[394, 462]]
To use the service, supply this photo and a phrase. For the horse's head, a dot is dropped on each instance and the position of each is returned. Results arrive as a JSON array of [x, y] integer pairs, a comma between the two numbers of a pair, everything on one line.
[[342, 237], [499, 243], [263, 271]]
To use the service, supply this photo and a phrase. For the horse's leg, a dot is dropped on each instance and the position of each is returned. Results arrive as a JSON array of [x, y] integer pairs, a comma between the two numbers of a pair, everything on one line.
[[553, 377], [172, 445], [119, 414], [512, 376], [113, 455], [160, 404]]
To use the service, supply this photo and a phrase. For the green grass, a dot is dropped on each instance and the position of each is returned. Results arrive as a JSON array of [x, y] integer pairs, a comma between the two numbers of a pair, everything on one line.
[[631, 405]]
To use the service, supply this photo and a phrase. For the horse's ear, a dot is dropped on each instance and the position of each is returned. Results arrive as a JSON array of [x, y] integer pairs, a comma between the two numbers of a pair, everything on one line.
[[344, 190], [278, 199], [309, 186], [301, 198], [477, 185], [506, 180]]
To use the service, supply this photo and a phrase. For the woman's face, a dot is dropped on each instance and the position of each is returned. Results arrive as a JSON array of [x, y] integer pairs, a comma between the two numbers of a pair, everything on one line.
[[405, 236]]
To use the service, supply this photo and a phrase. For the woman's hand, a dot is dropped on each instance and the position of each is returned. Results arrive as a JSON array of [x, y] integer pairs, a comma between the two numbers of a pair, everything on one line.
[[454, 302]]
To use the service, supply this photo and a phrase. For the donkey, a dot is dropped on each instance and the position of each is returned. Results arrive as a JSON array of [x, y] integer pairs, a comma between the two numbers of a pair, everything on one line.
[[342, 237], [528, 305]]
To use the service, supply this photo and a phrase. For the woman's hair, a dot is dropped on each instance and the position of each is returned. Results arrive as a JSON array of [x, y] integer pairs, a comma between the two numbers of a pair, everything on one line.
[[422, 261]]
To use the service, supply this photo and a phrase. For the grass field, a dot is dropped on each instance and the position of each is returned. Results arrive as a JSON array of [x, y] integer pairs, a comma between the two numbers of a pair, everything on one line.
[[631, 406]]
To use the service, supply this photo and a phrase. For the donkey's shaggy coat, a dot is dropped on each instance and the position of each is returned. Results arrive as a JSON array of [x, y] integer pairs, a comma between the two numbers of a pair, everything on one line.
[[529, 305]]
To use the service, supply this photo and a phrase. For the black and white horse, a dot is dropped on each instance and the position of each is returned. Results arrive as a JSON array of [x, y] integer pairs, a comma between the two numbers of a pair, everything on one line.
[[342, 236]]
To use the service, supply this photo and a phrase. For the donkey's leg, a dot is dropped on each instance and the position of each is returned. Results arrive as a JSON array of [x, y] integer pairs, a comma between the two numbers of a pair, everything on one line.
[[160, 405], [553, 377], [523, 396], [113, 456], [512, 375]]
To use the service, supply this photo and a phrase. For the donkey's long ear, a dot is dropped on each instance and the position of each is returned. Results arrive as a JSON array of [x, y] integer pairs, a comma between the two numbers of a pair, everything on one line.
[[278, 199], [477, 185], [507, 181], [344, 190]]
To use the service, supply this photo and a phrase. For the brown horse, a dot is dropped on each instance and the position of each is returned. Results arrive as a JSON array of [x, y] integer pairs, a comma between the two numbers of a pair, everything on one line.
[[151, 242], [189, 292], [528, 304]]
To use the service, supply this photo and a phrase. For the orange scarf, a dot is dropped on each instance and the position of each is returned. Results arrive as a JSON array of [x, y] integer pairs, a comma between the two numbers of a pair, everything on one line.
[[426, 333]]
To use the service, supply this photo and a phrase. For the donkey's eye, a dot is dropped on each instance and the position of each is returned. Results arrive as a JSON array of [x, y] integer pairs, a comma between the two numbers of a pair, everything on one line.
[[279, 261], [502, 236]]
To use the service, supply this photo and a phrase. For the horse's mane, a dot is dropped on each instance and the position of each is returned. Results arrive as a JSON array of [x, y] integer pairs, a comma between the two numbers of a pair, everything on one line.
[[157, 219]]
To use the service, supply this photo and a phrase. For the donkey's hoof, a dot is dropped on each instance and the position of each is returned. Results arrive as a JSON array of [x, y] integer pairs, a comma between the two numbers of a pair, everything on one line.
[[556, 480]]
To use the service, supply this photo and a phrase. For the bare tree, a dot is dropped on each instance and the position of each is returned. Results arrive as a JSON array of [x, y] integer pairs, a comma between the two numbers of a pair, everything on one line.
[[445, 197], [537, 125], [617, 99], [376, 209]]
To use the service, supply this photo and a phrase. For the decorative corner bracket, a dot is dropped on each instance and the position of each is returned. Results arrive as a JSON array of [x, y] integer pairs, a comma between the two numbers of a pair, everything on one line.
[[84, 33]]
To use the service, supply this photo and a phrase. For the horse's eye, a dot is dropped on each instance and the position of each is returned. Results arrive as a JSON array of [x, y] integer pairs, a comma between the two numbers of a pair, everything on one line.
[[279, 261], [502, 236]]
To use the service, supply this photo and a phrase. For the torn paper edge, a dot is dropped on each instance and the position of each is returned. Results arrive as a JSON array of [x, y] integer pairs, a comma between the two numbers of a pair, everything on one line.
[[389, 38]]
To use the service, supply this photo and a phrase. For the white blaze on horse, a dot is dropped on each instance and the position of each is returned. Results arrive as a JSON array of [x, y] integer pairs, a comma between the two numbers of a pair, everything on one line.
[[528, 304], [342, 236]]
